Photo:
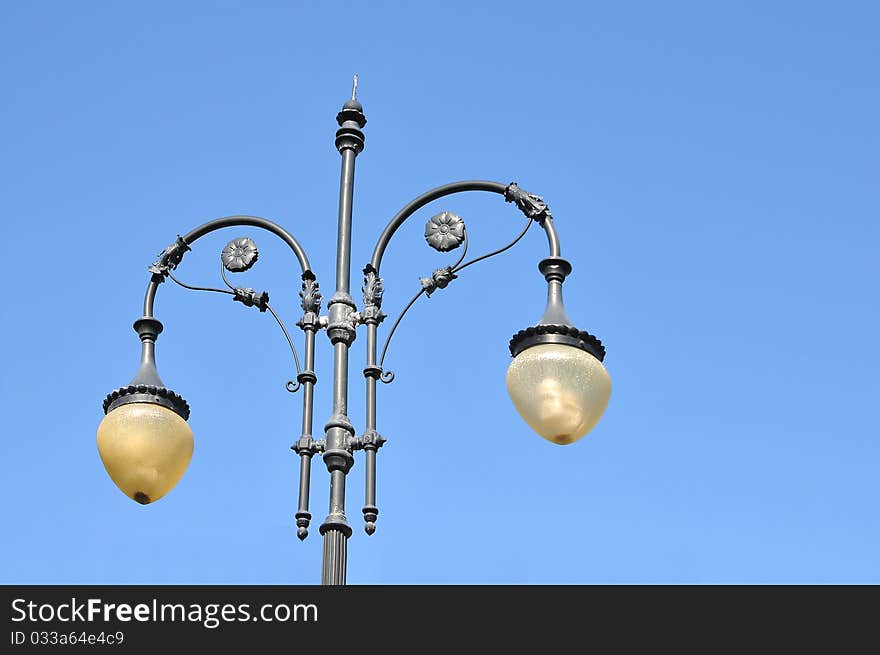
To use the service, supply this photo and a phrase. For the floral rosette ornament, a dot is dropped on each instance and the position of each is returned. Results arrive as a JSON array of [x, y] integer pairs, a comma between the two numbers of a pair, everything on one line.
[[444, 232], [239, 255]]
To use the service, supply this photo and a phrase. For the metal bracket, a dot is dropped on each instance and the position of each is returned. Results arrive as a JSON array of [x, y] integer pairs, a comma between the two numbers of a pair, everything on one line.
[[531, 205], [343, 319], [371, 440], [251, 298], [169, 258], [439, 279], [308, 446]]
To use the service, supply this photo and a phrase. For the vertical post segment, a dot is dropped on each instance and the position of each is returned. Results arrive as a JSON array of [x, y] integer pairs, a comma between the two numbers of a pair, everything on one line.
[[306, 447], [372, 440], [341, 331]]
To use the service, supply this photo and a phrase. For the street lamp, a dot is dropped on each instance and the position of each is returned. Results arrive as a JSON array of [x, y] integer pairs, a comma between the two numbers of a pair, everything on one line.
[[556, 380]]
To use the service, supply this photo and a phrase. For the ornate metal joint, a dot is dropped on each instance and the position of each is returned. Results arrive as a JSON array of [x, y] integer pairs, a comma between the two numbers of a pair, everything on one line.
[[372, 315], [339, 430], [338, 459], [251, 298], [372, 440], [169, 258], [531, 205], [439, 279], [343, 319], [307, 446], [309, 321], [303, 446]]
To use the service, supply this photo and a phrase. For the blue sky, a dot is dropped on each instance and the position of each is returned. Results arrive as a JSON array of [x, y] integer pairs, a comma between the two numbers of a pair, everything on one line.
[[713, 171]]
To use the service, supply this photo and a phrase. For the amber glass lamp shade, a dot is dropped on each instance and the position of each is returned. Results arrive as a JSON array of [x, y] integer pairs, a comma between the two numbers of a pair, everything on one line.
[[145, 448], [560, 390]]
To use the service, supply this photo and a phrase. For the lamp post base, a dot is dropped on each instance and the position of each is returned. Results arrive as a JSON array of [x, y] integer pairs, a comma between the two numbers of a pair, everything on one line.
[[335, 557]]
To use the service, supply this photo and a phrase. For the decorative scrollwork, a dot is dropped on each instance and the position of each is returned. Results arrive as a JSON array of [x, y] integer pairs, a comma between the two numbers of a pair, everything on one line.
[[439, 280], [373, 288], [239, 255], [169, 258], [445, 231], [251, 298], [310, 294], [531, 205]]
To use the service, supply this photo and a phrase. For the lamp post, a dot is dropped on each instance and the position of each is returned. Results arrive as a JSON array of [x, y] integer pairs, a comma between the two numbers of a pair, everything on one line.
[[556, 379]]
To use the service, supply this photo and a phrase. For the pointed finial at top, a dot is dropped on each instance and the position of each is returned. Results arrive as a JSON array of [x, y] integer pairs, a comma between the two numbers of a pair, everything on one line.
[[352, 111]]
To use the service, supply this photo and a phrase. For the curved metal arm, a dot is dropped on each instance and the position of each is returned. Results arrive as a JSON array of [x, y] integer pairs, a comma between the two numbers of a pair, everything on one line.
[[175, 251], [510, 192]]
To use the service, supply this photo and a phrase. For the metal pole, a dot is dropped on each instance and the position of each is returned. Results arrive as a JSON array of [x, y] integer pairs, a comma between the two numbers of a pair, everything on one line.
[[341, 330]]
